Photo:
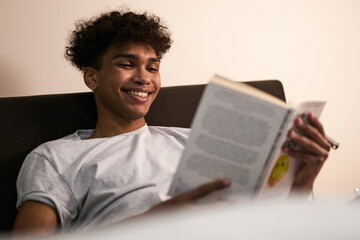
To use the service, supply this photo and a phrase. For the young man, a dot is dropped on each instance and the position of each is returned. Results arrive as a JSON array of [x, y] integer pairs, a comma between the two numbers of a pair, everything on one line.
[[123, 167]]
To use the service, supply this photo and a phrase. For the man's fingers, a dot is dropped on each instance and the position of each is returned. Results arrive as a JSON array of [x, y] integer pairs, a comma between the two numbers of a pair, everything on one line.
[[313, 133], [309, 145], [307, 158]]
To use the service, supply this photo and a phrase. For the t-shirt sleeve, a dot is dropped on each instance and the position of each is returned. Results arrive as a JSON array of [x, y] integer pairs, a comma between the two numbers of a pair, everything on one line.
[[39, 180]]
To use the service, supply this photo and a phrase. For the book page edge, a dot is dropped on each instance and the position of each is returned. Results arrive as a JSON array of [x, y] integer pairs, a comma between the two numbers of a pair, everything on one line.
[[245, 88]]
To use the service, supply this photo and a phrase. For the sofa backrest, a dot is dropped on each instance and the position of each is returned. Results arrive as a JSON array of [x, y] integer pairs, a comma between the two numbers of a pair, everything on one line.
[[26, 122]]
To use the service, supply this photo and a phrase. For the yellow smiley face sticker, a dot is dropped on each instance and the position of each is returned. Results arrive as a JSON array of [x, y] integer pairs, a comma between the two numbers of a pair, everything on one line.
[[279, 170]]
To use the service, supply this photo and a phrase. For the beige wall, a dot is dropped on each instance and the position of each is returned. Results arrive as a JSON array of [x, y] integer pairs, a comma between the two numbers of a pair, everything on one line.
[[312, 46]]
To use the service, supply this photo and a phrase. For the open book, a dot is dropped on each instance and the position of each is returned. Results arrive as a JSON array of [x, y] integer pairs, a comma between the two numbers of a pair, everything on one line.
[[237, 133]]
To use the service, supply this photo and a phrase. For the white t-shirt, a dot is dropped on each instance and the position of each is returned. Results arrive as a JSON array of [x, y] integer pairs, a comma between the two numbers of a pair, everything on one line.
[[96, 182]]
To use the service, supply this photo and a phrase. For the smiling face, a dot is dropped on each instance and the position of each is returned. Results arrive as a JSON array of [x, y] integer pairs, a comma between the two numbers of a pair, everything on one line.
[[127, 82]]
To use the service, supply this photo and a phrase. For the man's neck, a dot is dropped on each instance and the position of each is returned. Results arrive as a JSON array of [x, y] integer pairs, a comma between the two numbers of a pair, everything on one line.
[[108, 127]]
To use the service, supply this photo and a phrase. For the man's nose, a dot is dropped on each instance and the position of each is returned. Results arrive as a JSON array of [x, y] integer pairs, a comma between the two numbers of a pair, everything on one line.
[[141, 76]]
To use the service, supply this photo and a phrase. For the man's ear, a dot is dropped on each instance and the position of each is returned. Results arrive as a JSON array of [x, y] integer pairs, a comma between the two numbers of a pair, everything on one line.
[[91, 78]]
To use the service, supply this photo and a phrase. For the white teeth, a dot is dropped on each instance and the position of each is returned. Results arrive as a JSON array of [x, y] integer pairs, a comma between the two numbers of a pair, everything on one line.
[[139, 94]]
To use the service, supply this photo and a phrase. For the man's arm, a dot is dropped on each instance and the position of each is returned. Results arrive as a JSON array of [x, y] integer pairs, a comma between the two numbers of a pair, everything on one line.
[[194, 194], [39, 219], [35, 219]]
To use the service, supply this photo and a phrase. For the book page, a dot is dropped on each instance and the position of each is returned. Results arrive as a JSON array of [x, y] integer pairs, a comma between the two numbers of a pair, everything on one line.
[[232, 135]]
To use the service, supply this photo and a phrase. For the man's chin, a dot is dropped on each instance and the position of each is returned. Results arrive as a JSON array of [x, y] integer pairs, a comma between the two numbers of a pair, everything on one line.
[[138, 115], [134, 113]]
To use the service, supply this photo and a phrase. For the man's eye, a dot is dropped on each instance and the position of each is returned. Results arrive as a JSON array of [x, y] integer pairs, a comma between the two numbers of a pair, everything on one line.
[[152, 69], [124, 65]]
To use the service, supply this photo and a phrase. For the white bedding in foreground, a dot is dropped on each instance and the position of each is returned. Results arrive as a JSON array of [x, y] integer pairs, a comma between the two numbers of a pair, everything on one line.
[[311, 220]]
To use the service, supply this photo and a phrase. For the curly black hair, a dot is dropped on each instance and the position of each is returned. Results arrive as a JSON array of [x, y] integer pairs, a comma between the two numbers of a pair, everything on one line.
[[90, 40]]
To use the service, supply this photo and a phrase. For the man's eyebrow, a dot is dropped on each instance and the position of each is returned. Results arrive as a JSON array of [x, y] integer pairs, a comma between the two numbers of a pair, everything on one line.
[[154, 59], [126, 55], [133, 56]]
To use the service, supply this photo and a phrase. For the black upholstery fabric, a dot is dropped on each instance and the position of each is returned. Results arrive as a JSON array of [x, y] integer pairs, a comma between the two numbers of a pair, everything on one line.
[[26, 122], [175, 106]]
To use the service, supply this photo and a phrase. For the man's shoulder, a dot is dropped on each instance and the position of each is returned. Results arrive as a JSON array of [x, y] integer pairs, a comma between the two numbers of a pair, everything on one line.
[[181, 134], [60, 143], [170, 130]]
